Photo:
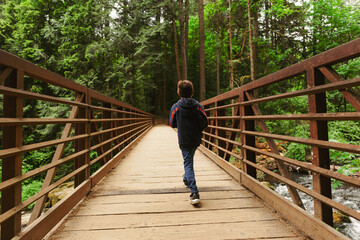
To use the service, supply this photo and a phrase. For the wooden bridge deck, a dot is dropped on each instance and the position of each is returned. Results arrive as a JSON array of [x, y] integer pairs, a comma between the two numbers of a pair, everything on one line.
[[144, 198]]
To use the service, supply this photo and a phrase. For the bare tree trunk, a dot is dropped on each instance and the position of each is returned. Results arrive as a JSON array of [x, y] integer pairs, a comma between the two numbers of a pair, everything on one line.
[[217, 50], [202, 51], [186, 31], [164, 86], [176, 47], [158, 73], [252, 66], [231, 67], [253, 34], [267, 25], [182, 37]]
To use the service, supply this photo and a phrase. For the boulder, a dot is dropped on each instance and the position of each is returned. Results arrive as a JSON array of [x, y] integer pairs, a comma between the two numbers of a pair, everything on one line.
[[269, 185], [59, 193], [340, 218]]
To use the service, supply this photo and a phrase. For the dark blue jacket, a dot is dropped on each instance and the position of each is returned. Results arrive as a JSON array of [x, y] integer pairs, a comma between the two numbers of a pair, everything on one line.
[[189, 117]]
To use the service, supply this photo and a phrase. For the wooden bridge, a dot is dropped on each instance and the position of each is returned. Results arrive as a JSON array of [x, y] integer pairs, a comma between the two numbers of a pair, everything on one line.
[[128, 170]]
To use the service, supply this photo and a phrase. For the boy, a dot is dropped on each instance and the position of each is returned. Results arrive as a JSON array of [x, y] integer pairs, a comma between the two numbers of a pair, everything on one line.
[[189, 117]]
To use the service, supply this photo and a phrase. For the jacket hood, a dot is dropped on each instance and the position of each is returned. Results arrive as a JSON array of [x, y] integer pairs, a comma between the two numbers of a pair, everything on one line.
[[187, 103]]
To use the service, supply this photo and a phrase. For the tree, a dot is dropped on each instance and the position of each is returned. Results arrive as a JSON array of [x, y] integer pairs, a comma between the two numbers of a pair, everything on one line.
[[217, 50], [231, 66], [202, 51], [183, 40], [176, 48]]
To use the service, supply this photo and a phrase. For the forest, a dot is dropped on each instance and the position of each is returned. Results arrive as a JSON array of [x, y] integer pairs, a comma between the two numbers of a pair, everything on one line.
[[136, 51]]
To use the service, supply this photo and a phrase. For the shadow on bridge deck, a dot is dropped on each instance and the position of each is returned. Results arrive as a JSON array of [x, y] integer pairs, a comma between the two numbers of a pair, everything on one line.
[[144, 198]]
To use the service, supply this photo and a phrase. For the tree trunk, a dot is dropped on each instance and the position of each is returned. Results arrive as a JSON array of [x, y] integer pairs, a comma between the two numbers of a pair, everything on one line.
[[202, 51], [253, 35], [231, 68], [252, 62], [267, 25], [186, 32], [217, 50], [164, 78], [182, 37], [176, 47]]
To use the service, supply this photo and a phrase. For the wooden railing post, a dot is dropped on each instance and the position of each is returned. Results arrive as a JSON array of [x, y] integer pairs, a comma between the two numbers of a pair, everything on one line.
[[221, 133], [119, 124], [12, 166], [232, 136], [39, 205], [82, 144], [216, 122], [320, 156], [107, 125], [210, 130], [248, 140]]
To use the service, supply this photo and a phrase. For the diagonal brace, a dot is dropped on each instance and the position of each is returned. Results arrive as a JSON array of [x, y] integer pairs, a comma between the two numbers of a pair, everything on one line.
[[40, 203], [349, 94], [282, 168]]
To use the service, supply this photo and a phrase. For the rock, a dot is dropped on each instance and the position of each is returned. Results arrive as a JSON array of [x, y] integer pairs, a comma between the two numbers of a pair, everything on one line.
[[340, 218], [59, 193], [268, 185]]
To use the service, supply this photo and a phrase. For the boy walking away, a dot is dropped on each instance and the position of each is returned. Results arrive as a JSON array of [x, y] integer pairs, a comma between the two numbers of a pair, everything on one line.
[[189, 117]]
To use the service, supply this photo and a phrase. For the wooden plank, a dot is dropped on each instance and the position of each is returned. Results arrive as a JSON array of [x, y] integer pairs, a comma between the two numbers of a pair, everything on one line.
[[144, 197], [170, 179], [110, 199], [41, 226], [166, 190], [228, 167], [174, 206], [298, 217], [167, 219], [179, 184], [166, 174], [241, 230], [303, 220], [96, 177]]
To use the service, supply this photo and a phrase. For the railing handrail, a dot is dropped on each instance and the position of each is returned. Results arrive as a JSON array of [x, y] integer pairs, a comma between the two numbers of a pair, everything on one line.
[[122, 125], [338, 54], [233, 114], [39, 73]]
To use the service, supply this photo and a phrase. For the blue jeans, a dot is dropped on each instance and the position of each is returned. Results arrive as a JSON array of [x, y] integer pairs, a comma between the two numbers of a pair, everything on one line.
[[188, 156]]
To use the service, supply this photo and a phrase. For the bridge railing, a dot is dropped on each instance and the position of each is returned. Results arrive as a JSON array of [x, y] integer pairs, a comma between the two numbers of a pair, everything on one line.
[[96, 132], [236, 123]]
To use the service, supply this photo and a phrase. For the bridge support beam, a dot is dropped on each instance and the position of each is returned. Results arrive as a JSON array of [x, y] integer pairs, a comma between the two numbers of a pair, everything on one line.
[[107, 125], [220, 133], [320, 156], [82, 144], [248, 140], [12, 166]]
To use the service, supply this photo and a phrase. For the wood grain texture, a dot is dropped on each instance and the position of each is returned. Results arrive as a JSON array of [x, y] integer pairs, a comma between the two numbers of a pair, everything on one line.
[[144, 198]]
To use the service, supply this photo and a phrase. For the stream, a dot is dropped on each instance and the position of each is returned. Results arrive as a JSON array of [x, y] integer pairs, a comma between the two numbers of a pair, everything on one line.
[[346, 195]]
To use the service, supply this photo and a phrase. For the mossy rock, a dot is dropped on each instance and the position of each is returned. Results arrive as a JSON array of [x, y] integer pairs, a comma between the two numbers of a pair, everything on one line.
[[59, 193], [340, 218], [269, 185]]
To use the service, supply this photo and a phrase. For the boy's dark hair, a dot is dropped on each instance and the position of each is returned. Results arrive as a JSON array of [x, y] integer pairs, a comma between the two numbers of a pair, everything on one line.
[[185, 88]]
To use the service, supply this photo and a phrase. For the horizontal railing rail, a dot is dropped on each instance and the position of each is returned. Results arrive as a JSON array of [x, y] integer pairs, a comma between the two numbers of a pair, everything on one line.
[[98, 131], [236, 123]]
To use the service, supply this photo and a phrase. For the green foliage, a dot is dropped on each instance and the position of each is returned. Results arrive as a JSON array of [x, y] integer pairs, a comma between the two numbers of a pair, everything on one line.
[[29, 190], [349, 168], [333, 22], [295, 150], [119, 48]]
